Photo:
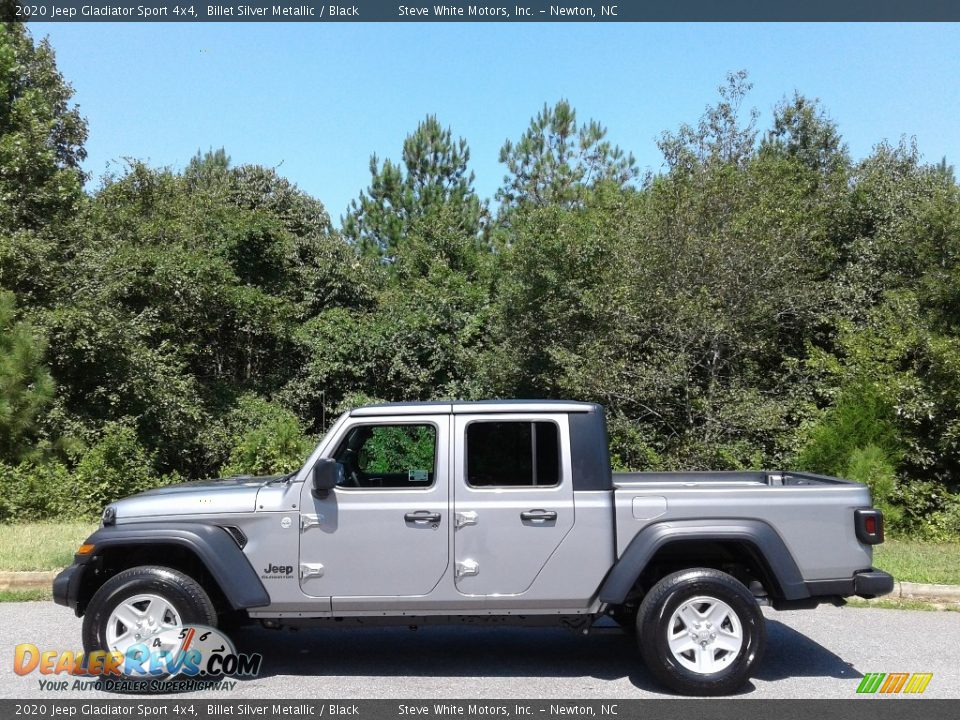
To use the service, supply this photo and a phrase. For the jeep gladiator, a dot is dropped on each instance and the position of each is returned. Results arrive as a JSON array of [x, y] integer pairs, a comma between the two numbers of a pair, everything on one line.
[[472, 512]]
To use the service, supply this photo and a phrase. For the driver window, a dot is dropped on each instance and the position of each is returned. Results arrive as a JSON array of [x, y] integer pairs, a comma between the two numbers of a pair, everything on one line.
[[388, 456]]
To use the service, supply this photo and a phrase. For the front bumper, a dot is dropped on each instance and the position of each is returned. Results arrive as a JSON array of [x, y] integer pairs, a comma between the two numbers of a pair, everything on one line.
[[66, 587]]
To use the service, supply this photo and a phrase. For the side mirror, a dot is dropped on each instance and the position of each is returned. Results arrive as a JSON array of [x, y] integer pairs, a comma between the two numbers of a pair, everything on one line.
[[327, 474]]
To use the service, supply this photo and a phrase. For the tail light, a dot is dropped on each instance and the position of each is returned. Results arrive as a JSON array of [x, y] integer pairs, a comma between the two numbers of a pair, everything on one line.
[[869, 526]]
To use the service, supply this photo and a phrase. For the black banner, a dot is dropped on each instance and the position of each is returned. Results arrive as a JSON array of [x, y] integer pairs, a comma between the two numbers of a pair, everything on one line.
[[708, 709], [495, 11]]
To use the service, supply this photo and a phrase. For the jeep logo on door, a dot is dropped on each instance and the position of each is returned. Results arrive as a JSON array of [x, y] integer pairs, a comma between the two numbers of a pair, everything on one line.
[[272, 571]]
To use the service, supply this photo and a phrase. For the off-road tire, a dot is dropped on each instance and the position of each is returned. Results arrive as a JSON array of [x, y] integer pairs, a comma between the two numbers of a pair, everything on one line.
[[185, 594], [655, 615]]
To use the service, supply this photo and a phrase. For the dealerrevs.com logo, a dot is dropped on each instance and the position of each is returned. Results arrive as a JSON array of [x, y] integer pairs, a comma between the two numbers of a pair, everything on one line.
[[181, 658], [894, 683]]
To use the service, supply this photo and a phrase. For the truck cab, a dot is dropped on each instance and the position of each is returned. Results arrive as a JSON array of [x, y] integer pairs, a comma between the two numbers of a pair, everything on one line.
[[434, 502]]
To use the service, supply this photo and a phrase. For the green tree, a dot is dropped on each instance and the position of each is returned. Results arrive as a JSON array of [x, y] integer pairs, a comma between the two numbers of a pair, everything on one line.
[[556, 159], [41, 148], [561, 282], [184, 292], [685, 307], [41, 134], [116, 465], [802, 130], [721, 136], [26, 386], [945, 169], [421, 337], [433, 176], [267, 439], [860, 424], [209, 172]]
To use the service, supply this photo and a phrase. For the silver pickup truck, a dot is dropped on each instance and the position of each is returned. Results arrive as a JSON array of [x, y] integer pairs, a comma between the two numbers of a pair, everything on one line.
[[498, 511]]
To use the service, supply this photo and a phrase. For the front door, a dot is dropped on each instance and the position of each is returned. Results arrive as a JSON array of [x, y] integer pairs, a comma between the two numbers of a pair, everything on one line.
[[513, 499], [384, 530]]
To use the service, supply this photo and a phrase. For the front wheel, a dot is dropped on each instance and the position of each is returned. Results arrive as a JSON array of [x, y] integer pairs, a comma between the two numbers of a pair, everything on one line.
[[138, 606], [700, 632]]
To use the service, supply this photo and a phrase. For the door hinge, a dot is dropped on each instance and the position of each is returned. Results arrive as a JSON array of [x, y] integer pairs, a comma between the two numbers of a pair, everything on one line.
[[310, 570], [469, 517], [309, 521], [468, 568]]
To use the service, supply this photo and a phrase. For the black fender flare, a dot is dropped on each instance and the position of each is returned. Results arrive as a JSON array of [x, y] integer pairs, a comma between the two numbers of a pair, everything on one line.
[[211, 544], [759, 535]]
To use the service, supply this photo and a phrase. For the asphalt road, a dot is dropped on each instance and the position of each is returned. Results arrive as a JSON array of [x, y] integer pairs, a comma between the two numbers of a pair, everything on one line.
[[819, 653]]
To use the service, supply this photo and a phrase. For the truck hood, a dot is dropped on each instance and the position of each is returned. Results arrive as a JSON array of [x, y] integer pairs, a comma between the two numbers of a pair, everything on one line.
[[198, 497]]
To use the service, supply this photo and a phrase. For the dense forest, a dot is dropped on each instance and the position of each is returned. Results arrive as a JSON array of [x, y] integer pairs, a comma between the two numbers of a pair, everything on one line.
[[765, 300]]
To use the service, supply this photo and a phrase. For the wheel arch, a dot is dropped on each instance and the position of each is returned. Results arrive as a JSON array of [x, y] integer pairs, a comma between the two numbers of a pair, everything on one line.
[[206, 552], [750, 541]]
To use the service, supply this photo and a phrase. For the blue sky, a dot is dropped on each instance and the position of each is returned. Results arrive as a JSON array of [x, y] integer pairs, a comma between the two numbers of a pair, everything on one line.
[[317, 99]]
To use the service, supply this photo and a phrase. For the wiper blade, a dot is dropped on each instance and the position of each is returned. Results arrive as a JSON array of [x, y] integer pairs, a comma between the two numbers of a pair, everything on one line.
[[283, 478]]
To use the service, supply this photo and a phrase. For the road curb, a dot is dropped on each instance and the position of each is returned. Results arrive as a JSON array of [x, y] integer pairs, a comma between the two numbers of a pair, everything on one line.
[[926, 591], [32, 580]]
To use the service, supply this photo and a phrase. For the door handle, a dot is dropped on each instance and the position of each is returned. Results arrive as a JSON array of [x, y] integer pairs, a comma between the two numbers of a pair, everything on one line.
[[538, 515], [422, 516]]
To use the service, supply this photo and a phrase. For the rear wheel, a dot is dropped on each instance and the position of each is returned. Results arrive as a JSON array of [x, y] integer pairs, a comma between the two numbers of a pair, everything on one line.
[[700, 632]]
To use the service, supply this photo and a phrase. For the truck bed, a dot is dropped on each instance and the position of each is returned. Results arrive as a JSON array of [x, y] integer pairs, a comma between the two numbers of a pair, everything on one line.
[[813, 514]]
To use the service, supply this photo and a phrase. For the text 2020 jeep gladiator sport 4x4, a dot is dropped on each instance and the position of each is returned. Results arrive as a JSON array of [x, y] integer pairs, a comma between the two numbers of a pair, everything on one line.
[[500, 511]]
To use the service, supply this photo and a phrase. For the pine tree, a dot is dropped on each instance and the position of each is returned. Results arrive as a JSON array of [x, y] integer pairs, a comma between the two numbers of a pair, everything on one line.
[[556, 159], [432, 177]]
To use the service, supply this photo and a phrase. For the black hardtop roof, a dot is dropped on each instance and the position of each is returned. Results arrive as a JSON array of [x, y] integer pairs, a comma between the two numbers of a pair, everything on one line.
[[460, 407]]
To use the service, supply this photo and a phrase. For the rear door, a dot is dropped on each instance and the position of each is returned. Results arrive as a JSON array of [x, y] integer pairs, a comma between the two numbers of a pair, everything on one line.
[[385, 530], [513, 499]]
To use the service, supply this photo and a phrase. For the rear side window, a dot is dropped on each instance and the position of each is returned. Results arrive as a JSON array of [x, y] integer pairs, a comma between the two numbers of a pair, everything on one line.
[[513, 454]]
